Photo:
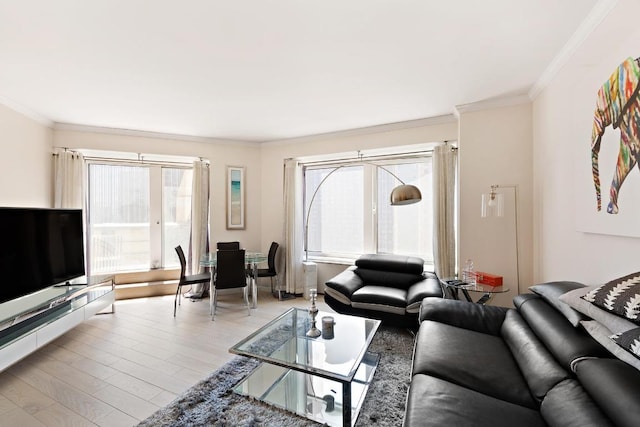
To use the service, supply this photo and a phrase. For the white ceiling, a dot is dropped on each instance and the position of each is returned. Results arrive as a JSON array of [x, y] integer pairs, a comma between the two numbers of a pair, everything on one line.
[[261, 70]]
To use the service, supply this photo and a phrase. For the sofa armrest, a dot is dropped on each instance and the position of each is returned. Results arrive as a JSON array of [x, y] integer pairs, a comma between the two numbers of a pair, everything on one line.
[[428, 287], [346, 283], [480, 318]]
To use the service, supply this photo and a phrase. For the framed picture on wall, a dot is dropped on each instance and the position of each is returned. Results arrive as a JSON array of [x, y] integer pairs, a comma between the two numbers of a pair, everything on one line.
[[235, 198]]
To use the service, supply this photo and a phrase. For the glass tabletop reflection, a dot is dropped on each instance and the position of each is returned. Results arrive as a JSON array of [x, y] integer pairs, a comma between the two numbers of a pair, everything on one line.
[[210, 259], [283, 342]]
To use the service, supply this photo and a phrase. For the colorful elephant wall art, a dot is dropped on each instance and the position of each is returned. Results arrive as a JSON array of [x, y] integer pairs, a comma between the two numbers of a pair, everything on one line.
[[618, 105]]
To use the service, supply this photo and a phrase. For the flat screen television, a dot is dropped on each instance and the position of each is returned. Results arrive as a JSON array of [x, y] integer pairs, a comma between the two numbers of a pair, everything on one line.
[[39, 248]]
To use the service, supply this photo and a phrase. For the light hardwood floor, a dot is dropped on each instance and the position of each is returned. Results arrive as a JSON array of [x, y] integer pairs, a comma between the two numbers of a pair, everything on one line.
[[117, 369]]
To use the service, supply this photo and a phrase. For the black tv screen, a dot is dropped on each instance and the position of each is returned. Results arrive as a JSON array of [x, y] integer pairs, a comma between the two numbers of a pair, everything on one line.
[[39, 248]]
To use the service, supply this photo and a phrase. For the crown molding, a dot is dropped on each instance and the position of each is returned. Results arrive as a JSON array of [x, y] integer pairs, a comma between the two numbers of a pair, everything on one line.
[[387, 127], [506, 101], [21, 109], [595, 17], [148, 134]]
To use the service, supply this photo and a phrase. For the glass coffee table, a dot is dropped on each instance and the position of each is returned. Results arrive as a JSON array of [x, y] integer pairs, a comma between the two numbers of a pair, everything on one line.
[[325, 380]]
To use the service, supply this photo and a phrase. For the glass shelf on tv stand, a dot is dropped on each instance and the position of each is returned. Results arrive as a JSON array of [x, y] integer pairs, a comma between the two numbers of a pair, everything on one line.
[[26, 314]]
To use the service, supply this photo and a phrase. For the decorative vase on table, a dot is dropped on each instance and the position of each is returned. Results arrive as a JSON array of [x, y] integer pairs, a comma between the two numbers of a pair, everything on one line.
[[314, 332]]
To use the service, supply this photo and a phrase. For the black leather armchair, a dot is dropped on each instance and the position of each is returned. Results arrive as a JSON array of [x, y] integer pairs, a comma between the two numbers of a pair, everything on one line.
[[386, 287]]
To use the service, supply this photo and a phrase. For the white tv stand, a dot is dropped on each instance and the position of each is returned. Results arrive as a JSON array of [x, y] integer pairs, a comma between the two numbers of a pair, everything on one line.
[[29, 322]]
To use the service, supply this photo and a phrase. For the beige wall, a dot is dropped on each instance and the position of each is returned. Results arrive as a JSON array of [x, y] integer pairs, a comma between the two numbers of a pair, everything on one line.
[[25, 162], [220, 155], [562, 135], [496, 148]]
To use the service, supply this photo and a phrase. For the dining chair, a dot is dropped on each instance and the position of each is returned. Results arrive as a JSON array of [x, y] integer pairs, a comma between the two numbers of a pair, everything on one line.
[[230, 274], [270, 271], [187, 279], [228, 246]]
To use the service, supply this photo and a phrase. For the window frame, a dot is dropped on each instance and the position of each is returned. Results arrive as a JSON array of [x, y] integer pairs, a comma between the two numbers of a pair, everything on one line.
[[156, 214], [371, 168]]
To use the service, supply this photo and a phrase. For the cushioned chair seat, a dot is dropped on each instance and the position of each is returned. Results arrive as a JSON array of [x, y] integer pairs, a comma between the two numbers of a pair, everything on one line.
[[382, 298]]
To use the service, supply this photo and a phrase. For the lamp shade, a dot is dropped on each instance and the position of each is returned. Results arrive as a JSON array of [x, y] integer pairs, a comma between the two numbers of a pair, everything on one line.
[[405, 194], [492, 204]]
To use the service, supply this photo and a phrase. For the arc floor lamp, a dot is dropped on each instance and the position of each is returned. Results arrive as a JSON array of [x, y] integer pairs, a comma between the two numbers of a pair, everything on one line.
[[403, 194]]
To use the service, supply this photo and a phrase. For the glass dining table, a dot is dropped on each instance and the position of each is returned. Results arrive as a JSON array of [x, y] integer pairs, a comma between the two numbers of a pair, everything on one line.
[[252, 259]]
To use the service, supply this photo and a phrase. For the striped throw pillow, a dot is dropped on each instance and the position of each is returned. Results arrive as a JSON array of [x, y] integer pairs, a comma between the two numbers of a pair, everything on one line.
[[620, 297]]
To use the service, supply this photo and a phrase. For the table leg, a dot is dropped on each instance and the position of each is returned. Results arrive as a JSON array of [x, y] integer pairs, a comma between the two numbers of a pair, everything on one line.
[[254, 285], [466, 295], [484, 299], [211, 296], [346, 404]]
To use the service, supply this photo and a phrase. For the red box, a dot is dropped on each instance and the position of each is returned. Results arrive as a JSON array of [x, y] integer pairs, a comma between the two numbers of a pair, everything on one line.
[[488, 279]]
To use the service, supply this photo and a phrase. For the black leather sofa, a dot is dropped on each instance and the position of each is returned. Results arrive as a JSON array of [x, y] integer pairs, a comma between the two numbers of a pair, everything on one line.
[[479, 365], [386, 287]]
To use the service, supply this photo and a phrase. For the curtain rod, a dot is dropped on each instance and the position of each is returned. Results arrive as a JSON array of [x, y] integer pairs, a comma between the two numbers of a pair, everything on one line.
[[409, 155], [138, 161], [360, 157]]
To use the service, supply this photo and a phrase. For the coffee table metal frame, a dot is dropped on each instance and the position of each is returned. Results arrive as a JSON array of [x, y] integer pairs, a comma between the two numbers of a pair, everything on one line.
[[292, 359]]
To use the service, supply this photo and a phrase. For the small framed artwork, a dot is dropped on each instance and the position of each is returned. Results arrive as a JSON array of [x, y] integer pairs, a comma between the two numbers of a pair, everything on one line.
[[235, 198]]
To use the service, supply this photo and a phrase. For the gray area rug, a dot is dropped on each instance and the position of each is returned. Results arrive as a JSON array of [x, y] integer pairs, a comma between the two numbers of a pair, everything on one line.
[[213, 403]]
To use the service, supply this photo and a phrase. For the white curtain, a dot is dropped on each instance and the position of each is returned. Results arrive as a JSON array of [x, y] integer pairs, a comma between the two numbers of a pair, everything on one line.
[[293, 215], [199, 244], [68, 171], [444, 182]]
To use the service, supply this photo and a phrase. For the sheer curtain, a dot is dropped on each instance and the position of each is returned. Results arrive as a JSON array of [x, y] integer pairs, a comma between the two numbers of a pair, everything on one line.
[[293, 213], [68, 172], [444, 183], [199, 241]]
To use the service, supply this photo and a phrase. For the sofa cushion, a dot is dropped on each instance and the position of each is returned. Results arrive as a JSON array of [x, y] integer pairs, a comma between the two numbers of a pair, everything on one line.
[[380, 298], [551, 292], [620, 297], [614, 386], [480, 318], [614, 323], [435, 402], [569, 405], [391, 263], [603, 335], [630, 341], [474, 360], [541, 371], [387, 278], [564, 341]]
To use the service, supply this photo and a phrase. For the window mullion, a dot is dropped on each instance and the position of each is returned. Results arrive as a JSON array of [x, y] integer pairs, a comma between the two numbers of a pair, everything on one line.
[[369, 209], [155, 216]]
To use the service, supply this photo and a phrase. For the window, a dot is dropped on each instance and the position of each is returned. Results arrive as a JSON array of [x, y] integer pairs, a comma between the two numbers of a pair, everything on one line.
[[351, 213], [138, 214]]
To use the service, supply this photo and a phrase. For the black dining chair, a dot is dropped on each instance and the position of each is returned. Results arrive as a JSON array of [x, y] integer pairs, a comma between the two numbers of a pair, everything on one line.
[[270, 271], [228, 246], [230, 274], [187, 280]]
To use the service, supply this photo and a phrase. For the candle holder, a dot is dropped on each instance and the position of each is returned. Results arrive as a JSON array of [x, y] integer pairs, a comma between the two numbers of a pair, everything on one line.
[[314, 332]]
